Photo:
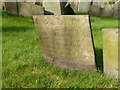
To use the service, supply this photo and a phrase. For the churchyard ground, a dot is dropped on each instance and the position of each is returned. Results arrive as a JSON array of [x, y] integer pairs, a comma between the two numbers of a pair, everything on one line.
[[23, 65]]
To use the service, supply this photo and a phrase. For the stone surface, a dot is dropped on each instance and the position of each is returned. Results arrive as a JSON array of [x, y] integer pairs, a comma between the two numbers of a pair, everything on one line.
[[66, 41], [11, 7], [106, 11], [94, 10], [110, 52], [74, 6], [37, 10], [84, 7], [57, 8], [117, 9], [24, 9], [101, 9], [53, 8]]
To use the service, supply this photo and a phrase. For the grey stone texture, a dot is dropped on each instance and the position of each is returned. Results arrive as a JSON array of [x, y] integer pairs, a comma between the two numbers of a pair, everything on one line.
[[106, 11], [29, 9], [110, 52], [57, 8], [66, 41], [84, 7], [117, 10], [54, 8], [94, 10], [24, 9], [11, 7], [37, 10]]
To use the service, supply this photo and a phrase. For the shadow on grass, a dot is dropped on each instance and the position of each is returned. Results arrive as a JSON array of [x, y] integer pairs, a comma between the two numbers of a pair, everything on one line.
[[16, 29], [99, 58]]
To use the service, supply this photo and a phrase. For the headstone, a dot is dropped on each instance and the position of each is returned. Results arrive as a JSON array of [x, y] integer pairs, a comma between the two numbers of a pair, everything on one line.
[[95, 3], [11, 7], [116, 12], [84, 7], [94, 10], [110, 52], [54, 8], [24, 9], [57, 8], [102, 4], [106, 11], [66, 41], [37, 10]]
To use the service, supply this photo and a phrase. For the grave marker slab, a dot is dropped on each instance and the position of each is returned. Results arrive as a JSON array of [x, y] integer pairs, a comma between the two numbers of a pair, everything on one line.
[[84, 7], [24, 9], [66, 41], [11, 8], [107, 11], [117, 10], [110, 52], [53, 8], [94, 10], [37, 10]]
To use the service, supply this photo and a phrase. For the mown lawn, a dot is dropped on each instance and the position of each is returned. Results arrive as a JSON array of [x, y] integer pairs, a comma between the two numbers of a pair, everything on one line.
[[23, 65]]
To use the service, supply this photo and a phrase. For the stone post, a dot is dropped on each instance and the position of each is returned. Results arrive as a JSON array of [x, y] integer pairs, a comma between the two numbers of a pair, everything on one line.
[[111, 52]]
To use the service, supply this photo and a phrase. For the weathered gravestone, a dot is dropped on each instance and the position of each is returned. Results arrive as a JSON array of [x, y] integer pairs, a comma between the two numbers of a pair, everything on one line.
[[117, 10], [24, 9], [57, 8], [53, 8], [37, 10], [84, 7], [94, 10], [106, 11], [11, 8], [29, 9], [110, 52], [101, 9], [66, 40]]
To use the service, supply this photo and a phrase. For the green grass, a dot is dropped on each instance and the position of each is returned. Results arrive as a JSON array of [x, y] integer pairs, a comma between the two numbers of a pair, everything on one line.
[[23, 65], [79, 13]]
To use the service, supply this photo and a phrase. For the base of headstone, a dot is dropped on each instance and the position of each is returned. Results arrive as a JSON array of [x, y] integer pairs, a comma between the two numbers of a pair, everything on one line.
[[66, 41]]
